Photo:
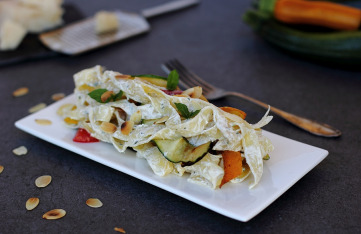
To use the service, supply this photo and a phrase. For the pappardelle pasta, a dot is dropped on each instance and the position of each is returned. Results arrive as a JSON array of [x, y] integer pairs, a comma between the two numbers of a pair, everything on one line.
[[175, 131]]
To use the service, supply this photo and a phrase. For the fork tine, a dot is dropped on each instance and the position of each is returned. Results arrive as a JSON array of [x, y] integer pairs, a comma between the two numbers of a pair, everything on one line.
[[184, 81], [184, 74], [187, 76], [192, 76]]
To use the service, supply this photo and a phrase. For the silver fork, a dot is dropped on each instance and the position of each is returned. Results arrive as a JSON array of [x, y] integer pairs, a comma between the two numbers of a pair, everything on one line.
[[189, 79]]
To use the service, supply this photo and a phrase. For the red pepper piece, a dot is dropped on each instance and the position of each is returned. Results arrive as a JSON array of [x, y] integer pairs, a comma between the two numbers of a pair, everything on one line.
[[83, 136], [172, 92]]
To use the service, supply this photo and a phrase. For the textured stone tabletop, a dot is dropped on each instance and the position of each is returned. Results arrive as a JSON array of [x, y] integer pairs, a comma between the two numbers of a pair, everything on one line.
[[211, 40]]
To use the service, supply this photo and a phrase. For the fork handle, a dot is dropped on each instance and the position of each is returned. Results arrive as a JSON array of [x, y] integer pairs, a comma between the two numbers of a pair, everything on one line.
[[168, 7], [320, 129]]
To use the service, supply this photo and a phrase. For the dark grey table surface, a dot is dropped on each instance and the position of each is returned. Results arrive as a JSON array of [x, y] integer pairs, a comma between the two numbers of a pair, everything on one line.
[[212, 40]]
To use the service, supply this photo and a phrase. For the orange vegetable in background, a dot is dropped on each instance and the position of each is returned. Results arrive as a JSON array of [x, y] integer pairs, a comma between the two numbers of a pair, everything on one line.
[[232, 162], [327, 14]]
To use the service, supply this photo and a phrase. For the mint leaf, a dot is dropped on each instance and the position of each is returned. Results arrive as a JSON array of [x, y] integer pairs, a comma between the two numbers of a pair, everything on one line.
[[96, 94], [194, 113], [183, 109], [117, 96], [173, 79]]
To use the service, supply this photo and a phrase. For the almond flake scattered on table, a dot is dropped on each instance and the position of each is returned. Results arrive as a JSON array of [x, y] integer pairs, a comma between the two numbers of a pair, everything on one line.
[[43, 181], [37, 107], [54, 214], [31, 203], [57, 96], [22, 150], [20, 92], [1, 168], [119, 230], [94, 202]]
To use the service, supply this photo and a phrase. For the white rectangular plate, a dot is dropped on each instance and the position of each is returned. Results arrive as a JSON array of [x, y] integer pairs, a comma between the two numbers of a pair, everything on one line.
[[289, 162]]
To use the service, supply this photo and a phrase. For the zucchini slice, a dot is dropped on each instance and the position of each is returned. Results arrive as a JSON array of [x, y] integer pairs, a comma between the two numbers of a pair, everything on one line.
[[156, 80], [330, 48], [181, 151], [148, 121]]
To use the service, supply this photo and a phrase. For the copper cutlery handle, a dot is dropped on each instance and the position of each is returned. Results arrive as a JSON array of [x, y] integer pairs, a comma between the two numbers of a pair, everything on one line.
[[314, 127]]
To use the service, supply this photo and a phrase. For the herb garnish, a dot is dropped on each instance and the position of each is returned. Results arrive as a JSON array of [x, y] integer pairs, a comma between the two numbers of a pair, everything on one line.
[[267, 157], [97, 94], [173, 79], [183, 109]]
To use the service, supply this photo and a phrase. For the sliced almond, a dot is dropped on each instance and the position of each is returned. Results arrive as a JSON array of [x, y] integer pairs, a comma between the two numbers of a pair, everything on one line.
[[43, 121], [22, 150], [136, 117], [105, 96], [108, 127], [31, 203], [195, 92], [57, 96], [127, 127], [54, 214], [121, 76], [20, 92], [43, 181], [134, 102], [119, 230], [94, 202], [1, 168], [37, 107], [122, 113]]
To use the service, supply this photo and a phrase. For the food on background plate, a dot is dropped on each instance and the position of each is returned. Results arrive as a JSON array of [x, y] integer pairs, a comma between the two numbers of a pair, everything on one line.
[[106, 22], [322, 32], [27, 16], [177, 132], [326, 14], [340, 48], [11, 35]]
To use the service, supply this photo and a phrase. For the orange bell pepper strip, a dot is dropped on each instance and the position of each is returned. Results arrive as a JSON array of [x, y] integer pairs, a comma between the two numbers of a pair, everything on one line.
[[234, 111], [232, 163]]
